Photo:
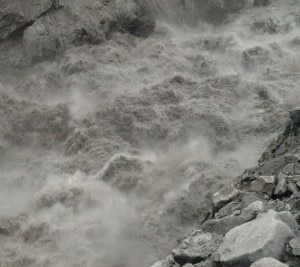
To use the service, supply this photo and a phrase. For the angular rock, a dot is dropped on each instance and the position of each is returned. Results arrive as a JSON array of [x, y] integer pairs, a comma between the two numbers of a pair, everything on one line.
[[288, 219], [15, 14], [268, 262], [256, 206], [295, 245], [208, 263], [297, 167], [291, 187], [223, 225], [196, 248], [281, 186], [266, 236], [294, 201], [264, 184], [228, 209], [48, 27], [168, 262], [225, 195], [76, 22], [289, 169]]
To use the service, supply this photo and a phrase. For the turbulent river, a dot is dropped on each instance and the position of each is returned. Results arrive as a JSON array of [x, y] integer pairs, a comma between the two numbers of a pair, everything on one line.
[[111, 152]]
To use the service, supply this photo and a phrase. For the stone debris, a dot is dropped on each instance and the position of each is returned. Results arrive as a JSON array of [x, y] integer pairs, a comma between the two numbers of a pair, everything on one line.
[[295, 246], [256, 206], [268, 262], [16, 14], [223, 225], [289, 219], [265, 236], [292, 188], [196, 248], [264, 184], [281, 187], [225, 195]]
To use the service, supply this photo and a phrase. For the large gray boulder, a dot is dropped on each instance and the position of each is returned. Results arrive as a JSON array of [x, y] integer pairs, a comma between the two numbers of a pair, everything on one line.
[[268, 262], [266, 236], [17, 13]]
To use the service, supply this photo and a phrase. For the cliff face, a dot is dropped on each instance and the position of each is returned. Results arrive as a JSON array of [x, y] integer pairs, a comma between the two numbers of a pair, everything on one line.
[[36, 30]]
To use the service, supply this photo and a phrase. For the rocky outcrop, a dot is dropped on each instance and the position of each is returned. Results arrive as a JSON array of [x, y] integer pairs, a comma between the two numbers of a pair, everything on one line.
[[16, 14], [48, 27], [258, 214]]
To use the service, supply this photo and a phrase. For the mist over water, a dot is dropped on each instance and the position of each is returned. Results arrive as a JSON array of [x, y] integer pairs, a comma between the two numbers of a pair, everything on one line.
[[109, 153]]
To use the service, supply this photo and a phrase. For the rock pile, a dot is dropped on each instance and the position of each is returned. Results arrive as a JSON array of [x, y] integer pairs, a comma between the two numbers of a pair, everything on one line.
[[255, 220]]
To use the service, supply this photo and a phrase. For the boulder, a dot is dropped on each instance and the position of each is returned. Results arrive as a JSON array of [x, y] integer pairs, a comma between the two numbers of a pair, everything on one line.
[[46, 28], [294, 201], [225, 195], [289, 169], [196, 248], [76, 22], [228, 209], [256, 206], [268, 262], [15, 14], [292, 187], [295, 246], [281, 186], [288, 219], [223, 225], [265, 236], [264, 184], [208, 263], [168, 262]]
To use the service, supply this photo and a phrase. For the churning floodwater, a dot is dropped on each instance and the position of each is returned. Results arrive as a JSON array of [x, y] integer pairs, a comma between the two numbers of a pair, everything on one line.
[[111, 152]]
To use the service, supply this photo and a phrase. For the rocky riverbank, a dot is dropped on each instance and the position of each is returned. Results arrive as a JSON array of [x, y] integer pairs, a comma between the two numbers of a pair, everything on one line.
[[255, 221]]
